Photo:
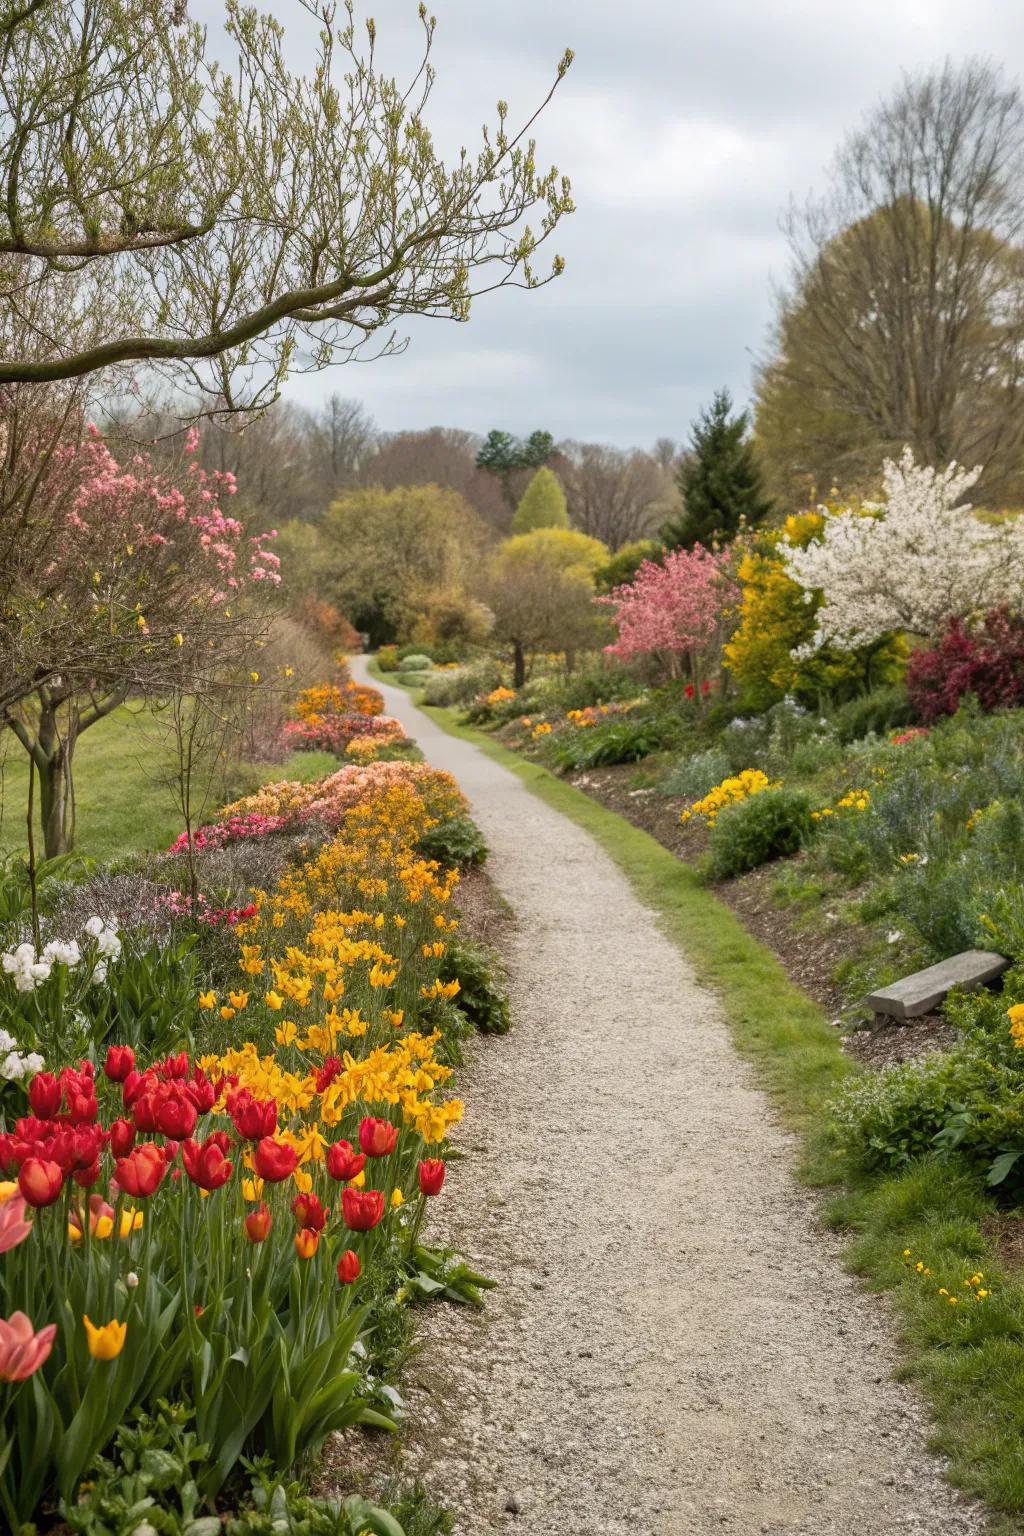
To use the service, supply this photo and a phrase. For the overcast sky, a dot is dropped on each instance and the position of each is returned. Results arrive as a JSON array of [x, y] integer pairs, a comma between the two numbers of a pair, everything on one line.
[[685, 128]]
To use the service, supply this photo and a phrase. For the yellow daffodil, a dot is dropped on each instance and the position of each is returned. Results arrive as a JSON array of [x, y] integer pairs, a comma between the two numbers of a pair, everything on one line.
[[207, 999]]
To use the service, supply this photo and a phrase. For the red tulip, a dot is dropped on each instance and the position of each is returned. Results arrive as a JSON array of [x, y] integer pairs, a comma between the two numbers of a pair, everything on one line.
[[120, 1061], [431, 1175], [40, 1181], [139, 1174], [82, 1106], [122, 1137], [45, 1096], [175, 1115], [361, 1209], [205, 1163], [306, 1243], [254, 1118], [342, 1162], [349, 1267], [137, 1083], [86, 1177], [175, 1067], [689, 690], [274, 1160], [377, 1137], [308, 1212], [201, 1091], [257, 1223]]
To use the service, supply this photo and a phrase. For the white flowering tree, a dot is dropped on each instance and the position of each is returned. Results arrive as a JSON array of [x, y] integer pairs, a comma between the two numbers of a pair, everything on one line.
[[910, 563]]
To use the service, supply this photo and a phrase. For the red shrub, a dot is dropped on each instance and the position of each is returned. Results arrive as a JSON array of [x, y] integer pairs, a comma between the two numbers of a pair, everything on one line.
[[987, 661]]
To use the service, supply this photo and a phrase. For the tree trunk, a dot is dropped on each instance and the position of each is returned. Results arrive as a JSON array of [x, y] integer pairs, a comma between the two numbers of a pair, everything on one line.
[[518, 664], [56, 800]]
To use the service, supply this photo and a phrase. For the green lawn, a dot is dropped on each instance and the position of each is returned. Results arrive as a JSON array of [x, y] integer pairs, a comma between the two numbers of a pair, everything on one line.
[[124, 804]]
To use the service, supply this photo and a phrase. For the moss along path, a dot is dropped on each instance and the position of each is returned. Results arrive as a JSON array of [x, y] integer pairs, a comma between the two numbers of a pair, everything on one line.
[[673, 1347]]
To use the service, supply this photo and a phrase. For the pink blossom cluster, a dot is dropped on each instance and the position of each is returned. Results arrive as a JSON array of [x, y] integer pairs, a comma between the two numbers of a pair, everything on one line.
[[672, 607], [332, 733], [180, 905], [220, 833]]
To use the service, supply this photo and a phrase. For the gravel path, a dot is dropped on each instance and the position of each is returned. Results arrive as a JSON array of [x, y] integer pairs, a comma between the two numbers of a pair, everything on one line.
[[674, 1348]]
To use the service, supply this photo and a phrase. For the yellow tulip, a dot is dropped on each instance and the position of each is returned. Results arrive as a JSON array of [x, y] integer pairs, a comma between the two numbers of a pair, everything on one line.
[[207, 999], [397, 1198], [105, 1343], [131, 1221]]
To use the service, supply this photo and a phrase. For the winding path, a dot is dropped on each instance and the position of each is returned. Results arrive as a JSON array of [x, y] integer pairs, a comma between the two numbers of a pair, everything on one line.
[[674, 1348]]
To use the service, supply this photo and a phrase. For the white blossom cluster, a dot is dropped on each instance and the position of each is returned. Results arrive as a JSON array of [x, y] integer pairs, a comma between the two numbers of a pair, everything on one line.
[[14, 1063], [29, 969], [912, 563]]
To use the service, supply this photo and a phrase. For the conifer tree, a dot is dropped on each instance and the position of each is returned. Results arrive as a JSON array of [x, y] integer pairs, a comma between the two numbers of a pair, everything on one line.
[[720, 481], [542, 504]]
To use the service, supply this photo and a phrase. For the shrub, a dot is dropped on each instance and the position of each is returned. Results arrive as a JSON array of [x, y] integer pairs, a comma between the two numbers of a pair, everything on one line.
[[387, 658], [456, 843], [417, 662], [753, 831], [878, 712], [616, 740], [694, 776], [987, 662], [482, 995]]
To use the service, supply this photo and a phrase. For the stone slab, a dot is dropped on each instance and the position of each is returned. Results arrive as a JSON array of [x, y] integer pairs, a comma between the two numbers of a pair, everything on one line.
[[924, 990]]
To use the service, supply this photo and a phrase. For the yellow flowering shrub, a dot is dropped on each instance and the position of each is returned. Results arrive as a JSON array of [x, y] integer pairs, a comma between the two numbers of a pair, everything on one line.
[[750, 782]]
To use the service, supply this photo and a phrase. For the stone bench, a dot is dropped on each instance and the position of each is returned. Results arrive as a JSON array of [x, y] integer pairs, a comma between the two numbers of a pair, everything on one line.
[[926, 989]]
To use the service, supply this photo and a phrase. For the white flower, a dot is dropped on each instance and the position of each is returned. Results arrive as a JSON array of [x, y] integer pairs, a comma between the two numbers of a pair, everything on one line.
[[109, 944], [893, 936], [12, 1067], [94, 927], [62, 953], [34, 1062], [910, 564], [131, 1279], [99, 972], [40, 971], [7, 1042]]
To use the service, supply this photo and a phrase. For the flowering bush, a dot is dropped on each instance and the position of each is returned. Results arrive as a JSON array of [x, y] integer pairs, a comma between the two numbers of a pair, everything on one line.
[[750, 782], [333, 733], [986, 660], [673, 608]]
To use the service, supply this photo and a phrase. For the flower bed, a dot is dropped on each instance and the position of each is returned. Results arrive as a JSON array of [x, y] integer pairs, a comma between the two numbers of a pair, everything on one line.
[[213, 1212]]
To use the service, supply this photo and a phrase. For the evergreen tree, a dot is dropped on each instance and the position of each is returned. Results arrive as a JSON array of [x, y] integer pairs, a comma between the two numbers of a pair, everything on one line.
[[504, 456], [720, 481], [542, 504]]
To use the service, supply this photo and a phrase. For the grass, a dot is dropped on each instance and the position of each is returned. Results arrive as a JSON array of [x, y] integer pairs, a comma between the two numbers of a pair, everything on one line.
[[124, 804], [967, 1360]]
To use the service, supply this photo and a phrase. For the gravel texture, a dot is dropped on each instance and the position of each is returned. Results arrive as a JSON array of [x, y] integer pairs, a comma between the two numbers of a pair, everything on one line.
[[674, 1347]]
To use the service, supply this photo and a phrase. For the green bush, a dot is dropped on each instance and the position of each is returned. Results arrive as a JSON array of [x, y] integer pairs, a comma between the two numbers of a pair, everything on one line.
[[751, 832], [449, 689], [415, 662], [387, 658], [620, 739], [457, 843], [482, 995], [885, 1120], [882, 710], [692, 777]]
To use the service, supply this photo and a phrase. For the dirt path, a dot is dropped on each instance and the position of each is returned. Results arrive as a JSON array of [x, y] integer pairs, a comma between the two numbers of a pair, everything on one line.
[[674, 1348]]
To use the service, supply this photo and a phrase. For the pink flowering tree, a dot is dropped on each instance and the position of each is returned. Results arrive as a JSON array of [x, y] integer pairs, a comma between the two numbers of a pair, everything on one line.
[[671, 611], [131, 579]]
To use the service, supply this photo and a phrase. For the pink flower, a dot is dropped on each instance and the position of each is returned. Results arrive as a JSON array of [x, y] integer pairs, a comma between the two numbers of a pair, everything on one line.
[[13, 1227], [23, 1351]]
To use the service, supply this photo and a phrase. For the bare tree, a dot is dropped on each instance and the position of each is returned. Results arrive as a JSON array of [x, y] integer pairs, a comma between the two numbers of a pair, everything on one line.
[[442, 456], [236, 225], [613, 494], [904, 322]]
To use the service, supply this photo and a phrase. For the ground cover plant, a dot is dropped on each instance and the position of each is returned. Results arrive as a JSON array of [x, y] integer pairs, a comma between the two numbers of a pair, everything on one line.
[[213, 1193]]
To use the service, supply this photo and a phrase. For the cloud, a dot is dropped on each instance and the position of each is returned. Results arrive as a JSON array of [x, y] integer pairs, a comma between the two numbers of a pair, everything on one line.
[[685, 128]]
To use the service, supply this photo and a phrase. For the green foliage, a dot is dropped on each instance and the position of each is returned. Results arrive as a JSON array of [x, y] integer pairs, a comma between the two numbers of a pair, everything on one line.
[[720, 481], [456, 843], [693, 776], [387, 658], [542, 504], [885, 1120], [753, 831], [623, 565], [883, 709], [445, 689], [483, 995], [415, 662], [16, 886], [504, 456], [619, 739]]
